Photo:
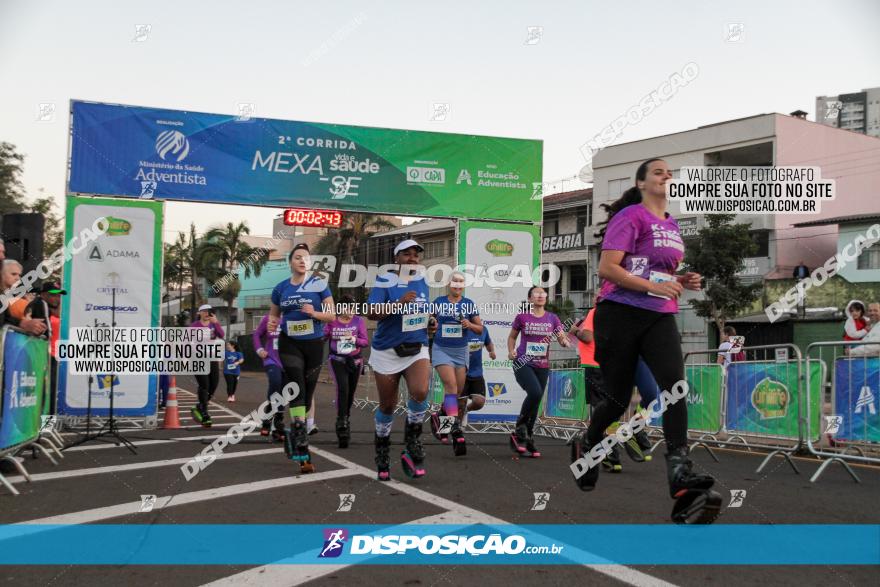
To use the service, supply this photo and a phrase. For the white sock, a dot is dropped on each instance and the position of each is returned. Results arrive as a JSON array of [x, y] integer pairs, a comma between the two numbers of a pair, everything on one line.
[[311, 423]]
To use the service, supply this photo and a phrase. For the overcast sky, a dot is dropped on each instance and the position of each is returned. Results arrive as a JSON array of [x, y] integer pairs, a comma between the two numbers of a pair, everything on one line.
[[385, 63]]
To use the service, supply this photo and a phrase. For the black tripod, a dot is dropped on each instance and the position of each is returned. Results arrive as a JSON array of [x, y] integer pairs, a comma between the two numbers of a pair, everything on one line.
[[109, 432]]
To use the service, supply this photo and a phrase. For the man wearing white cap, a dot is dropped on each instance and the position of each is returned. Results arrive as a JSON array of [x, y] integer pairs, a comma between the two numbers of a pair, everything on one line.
[[398, 302], [207, 383]]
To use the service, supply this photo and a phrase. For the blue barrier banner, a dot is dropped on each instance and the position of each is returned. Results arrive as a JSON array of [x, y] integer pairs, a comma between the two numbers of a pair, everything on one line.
[[258, 544], [24, 396], [856, 387], [566, 397], [198, 157], [762, 397]]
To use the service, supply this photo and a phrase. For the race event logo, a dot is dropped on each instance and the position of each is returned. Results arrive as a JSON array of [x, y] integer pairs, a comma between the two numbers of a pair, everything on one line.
[[173, 142], [334, 540], [496, 389], [499, 248], [770, 398]]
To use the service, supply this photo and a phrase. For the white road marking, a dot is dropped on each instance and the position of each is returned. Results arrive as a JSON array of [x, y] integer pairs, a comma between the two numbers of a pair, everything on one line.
[[137, 466], [124, 509], [464, 515], [150, 442]]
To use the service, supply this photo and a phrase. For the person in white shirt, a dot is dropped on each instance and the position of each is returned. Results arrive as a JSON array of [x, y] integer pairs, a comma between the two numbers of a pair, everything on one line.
[[726, 348]]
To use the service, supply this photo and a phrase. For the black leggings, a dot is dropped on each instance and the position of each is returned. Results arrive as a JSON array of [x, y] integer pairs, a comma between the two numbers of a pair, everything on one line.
[[231, 383], [208, 384], [346, 372], [624, 332], [302, 360], [533, 380]]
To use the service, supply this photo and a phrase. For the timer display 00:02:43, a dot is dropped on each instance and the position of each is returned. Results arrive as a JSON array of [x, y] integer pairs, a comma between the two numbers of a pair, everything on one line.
[[307, 217]]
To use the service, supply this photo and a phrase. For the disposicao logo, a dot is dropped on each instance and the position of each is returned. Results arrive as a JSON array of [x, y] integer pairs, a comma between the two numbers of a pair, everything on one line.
[[499, 248], [174, 142], [496, 389], [334, 541], [118, 226]]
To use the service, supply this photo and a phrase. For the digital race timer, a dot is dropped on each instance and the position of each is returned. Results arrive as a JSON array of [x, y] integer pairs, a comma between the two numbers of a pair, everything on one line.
[[308, 217]]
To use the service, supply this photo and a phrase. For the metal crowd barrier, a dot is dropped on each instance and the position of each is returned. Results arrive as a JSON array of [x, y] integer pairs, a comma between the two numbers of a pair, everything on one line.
[[853, 423], [763, 402]]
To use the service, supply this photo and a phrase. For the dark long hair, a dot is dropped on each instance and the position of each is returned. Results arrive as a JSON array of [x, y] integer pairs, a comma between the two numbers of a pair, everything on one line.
[[631, 196]]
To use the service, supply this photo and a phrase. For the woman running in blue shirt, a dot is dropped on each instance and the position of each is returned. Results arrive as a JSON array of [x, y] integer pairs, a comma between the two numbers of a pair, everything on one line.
[[296, 301]]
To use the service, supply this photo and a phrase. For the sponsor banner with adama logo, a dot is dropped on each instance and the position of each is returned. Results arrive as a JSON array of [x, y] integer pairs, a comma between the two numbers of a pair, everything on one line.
[[162, 154], [490, 246], [127, 261]]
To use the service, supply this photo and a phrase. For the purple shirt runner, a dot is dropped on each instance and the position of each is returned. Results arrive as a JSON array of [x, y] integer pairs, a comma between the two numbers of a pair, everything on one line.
[[268, 340], [653, 250], [347, 339], [535, 336]]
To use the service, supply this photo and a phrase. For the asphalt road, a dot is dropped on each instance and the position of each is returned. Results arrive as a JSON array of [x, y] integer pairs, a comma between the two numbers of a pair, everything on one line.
[[255, 484]]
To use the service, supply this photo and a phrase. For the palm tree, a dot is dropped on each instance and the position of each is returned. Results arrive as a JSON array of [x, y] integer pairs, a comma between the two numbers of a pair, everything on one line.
[[221, 251], [176, 268], [344, 241]]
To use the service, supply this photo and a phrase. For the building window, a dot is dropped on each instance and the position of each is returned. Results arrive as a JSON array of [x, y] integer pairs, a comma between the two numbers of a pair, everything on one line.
[[551, 226], [762, 239], [870, 258], [583, 219], [616, 187], [452, 251], [435, 249], [577, 278]]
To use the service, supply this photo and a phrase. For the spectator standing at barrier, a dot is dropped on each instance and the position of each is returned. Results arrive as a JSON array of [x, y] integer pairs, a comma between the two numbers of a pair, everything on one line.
[[47, 308], [207, 384], [348, 336], [10, 275], [265, 339], [232, 368], [873, 335], [535, 329], [801, 271], [855, 327], [729, 350]]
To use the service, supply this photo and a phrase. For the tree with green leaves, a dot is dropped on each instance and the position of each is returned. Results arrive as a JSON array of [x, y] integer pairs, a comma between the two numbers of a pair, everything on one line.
[[53, 230], [344, 241], [221, 252], [11, 189], [717, 253]]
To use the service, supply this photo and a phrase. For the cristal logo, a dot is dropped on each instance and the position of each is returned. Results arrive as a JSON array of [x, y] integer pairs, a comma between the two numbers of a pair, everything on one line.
[[568, 388], [334, 540], [174, 142]]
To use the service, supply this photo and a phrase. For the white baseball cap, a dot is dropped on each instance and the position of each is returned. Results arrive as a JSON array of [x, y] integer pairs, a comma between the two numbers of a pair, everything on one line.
[[408, 243], [205, 308]]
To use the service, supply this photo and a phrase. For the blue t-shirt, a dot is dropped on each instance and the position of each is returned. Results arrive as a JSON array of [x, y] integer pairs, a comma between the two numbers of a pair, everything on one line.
[[229, 366], [290, 298], [450, 332], [476, 342], [390, 331]]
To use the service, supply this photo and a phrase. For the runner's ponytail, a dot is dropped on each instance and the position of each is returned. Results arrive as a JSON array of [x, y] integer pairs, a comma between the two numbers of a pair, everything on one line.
[[630, 197]]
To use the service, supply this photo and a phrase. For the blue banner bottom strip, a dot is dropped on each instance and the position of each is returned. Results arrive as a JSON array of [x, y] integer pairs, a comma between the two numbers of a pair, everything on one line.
[[259, 544]]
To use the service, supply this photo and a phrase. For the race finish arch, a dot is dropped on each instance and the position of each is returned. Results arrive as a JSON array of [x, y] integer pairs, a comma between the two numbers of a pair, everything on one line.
[[140, 153]]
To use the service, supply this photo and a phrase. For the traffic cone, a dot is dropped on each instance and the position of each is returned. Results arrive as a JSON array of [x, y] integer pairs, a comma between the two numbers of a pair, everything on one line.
[[172, 416]]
